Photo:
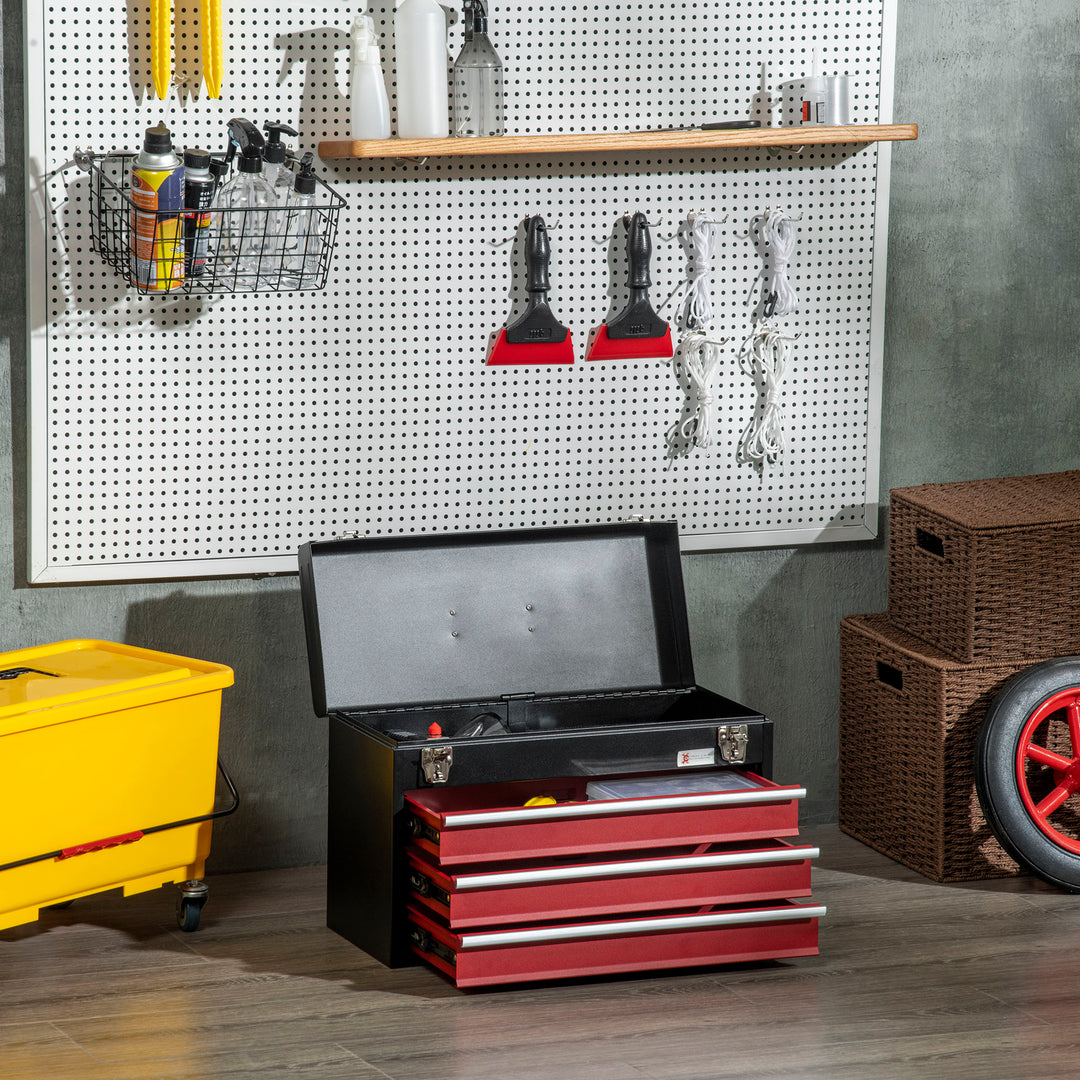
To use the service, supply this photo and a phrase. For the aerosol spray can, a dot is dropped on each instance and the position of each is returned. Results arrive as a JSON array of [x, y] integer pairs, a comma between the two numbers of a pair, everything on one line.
[[157, 237], [199, 188]]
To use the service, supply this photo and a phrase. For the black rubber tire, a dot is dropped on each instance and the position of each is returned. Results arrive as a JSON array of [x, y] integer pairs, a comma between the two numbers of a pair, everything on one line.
[[188, 914], [995, 771]]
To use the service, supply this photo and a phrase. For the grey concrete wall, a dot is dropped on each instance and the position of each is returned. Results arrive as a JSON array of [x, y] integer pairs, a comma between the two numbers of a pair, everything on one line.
[[980, 380]]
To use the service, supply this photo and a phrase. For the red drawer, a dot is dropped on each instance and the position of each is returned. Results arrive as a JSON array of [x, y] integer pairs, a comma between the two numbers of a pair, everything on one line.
[[669, 939], [489, 823], [495, 894]]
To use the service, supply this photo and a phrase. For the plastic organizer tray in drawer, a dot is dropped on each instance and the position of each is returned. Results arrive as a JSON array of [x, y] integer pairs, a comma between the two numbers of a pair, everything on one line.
[[490, 822], [494, 894], [673, 938]]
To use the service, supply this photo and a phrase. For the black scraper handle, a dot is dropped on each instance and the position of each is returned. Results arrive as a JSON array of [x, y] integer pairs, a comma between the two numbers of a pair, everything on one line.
[[638, 252], [638, 321], [537, 256], [537, 325]]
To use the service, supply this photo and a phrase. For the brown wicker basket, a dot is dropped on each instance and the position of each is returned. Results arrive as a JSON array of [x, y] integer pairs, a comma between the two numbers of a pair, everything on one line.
[[908, 720], [988, 568]]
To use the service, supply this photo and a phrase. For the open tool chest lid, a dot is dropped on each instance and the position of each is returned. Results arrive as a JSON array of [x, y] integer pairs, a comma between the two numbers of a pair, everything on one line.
[[475, 617]]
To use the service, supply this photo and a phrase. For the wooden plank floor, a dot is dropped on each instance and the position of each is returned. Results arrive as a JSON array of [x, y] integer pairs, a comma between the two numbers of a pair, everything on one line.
[[914, 980]]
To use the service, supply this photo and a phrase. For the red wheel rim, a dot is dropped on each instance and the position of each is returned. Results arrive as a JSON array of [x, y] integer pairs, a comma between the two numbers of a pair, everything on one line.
[[1065, 767]]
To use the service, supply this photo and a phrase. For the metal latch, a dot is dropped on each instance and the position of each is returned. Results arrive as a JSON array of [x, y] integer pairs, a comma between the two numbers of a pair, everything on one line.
[[732, 740], [436, 762]]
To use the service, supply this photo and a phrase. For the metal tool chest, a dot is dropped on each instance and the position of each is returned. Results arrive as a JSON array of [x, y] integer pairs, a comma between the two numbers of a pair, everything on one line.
[[468, 674]]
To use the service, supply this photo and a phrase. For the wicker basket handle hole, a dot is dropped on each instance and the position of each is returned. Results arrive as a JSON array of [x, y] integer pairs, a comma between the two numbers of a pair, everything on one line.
[[890, 675], [931, 543]]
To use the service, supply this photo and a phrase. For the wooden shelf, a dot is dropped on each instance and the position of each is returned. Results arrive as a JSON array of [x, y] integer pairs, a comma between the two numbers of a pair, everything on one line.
[[616, 142]]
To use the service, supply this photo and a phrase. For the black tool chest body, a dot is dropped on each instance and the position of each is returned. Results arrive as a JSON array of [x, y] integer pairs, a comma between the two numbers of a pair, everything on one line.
[[539, 655]]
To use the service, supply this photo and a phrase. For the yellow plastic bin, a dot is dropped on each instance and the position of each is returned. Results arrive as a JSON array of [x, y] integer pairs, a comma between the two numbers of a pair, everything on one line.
[[108, 773]]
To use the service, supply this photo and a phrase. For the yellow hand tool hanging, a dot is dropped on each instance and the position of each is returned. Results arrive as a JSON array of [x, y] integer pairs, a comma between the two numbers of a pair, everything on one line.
[[210, 41], [161, 45], [211, 48]]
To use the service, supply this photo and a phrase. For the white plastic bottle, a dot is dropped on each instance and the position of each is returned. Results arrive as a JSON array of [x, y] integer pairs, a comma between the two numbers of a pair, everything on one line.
[[423, 70], [369, 106]]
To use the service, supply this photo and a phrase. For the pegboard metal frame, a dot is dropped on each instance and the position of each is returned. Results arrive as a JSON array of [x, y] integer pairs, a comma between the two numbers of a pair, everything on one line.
[[50, 337]]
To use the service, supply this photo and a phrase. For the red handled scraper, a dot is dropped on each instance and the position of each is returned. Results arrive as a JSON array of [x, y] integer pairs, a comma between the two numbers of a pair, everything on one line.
[[638, 331], [537, 337]]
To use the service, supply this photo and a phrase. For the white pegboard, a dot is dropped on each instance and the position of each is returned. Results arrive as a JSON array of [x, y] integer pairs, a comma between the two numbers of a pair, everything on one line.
[[174, 436]]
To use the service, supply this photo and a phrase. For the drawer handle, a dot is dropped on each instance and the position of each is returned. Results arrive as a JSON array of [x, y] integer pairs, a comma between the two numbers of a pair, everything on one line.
[[604, 807], [663, 923]]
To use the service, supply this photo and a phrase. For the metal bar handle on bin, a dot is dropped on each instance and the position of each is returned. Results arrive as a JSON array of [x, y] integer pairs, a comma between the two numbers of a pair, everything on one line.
[[137, 834], [15, 672]]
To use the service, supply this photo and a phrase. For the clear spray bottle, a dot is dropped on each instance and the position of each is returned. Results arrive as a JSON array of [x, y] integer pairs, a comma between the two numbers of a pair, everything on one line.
[[250, 228], [478, 78]]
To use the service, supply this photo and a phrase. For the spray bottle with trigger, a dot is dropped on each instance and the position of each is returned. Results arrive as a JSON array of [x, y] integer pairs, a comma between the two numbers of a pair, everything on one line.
[[478, 78], [369, 106], [250, 230]]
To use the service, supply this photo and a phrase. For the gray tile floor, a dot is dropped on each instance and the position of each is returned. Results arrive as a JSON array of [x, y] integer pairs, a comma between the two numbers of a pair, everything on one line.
[[914, 979]]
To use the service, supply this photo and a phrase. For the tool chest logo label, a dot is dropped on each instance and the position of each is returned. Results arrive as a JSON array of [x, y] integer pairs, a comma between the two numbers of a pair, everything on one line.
[[688, 758]]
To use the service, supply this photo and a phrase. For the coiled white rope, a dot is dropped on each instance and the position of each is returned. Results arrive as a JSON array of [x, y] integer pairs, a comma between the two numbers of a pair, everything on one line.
[[765, 356], [700, 357], [779, 235], [698, 308]]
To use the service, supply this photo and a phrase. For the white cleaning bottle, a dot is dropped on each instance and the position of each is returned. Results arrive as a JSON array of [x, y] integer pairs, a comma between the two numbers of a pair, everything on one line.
[[423, 63], [369, 107]]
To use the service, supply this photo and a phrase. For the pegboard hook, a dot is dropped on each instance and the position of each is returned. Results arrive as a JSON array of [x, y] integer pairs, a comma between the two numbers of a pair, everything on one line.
[[694, 215], [557, 225], [627, 218]]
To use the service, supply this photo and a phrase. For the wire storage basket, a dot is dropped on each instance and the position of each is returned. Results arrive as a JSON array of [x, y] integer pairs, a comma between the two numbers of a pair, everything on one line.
[[255, 249]]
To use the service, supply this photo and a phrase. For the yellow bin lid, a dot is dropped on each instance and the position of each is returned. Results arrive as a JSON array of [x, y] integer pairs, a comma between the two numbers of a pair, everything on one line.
[[75, 673]]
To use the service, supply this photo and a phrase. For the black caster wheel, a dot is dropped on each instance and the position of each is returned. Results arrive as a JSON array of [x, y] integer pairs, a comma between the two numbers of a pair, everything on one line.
[[189, 904], [1027, 770], [188, 913]]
